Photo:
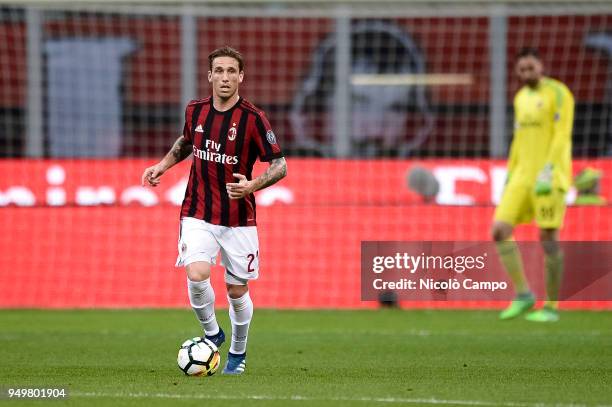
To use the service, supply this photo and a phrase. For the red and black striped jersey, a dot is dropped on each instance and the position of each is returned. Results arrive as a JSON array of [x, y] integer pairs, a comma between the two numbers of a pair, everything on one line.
[[224, 143]]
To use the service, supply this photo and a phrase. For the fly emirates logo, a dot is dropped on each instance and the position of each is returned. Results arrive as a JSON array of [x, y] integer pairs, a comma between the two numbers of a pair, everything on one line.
[[212, 154]]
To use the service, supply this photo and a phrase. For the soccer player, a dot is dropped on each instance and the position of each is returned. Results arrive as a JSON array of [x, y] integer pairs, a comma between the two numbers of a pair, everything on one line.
[[539, 175], [226, 134]]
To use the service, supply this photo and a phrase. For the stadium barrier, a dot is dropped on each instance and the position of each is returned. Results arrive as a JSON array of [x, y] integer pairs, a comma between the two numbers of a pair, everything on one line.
[[84, 233]]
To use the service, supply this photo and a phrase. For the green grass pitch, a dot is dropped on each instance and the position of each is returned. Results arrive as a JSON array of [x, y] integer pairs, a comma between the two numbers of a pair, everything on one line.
[[313, 358]]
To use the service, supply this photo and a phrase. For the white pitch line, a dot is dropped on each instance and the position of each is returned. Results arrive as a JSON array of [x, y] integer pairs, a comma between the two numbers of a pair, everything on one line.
[[389, 400]]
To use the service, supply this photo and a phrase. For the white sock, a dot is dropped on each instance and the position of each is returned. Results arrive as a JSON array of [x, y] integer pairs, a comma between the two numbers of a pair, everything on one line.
[[202, 299], [240, 312]]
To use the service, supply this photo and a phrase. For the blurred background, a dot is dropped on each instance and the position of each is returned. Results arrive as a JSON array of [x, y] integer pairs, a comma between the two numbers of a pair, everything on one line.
[[363, 97]]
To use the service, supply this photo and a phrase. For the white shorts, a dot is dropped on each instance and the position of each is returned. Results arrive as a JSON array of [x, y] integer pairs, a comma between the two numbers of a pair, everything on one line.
[[239, 247]]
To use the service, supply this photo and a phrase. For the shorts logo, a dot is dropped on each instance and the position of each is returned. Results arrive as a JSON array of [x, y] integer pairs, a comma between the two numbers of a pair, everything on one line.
[[183, 247], [271, 137], [231, 134]]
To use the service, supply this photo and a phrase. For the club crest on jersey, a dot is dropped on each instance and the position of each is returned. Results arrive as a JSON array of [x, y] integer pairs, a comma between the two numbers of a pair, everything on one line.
[[231, 134], [271, 137], [183, 247]]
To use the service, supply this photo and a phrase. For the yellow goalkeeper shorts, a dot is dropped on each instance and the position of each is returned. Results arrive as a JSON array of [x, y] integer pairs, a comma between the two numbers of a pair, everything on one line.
[[519, 204]]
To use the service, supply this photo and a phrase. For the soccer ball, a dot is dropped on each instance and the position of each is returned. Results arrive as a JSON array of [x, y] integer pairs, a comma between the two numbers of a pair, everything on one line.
[[198, 356]]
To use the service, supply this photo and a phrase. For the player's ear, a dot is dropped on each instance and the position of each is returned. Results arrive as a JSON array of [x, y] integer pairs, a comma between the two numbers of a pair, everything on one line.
[[240, 76], [209, 76]]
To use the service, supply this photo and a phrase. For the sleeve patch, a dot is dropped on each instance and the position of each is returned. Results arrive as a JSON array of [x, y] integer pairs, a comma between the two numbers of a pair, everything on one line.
[[271, 137]]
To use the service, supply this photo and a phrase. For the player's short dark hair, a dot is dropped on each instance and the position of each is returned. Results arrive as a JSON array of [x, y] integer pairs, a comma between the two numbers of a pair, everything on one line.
[[528, 52], [226, 52]]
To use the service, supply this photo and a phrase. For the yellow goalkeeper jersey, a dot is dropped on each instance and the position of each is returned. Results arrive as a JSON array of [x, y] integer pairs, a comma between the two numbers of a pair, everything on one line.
[[543, 119]]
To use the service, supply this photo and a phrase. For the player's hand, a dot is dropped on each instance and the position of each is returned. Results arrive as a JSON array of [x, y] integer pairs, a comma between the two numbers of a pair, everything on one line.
[[151, 176], [240, 189], [543, 184]]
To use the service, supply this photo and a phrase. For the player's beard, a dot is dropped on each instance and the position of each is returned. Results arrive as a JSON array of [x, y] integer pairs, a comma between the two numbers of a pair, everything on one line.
[[224, 96], [533, 83]]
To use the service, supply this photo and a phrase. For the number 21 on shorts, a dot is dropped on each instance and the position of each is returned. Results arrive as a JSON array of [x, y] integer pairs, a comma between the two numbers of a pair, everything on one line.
[[252, 258]]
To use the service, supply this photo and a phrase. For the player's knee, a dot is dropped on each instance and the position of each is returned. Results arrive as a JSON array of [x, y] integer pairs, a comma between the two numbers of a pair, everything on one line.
[[550, 247], [501, 231], [198, 271], [550, 243], [237, 291]]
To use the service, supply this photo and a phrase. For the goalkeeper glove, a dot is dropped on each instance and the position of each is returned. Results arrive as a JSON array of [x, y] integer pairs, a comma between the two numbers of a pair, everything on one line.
[[543, 184]]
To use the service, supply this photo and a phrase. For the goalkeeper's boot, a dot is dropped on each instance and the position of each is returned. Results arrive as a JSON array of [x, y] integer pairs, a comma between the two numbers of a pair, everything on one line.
[[521, 304], [235, 364], [217, 339], [545, 314]]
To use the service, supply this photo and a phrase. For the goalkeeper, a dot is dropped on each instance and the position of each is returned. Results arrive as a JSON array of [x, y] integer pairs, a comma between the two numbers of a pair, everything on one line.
[[539, 175]]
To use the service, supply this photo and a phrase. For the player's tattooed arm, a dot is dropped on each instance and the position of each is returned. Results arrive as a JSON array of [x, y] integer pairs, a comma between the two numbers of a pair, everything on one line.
[[274, 173], [179, 151]]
